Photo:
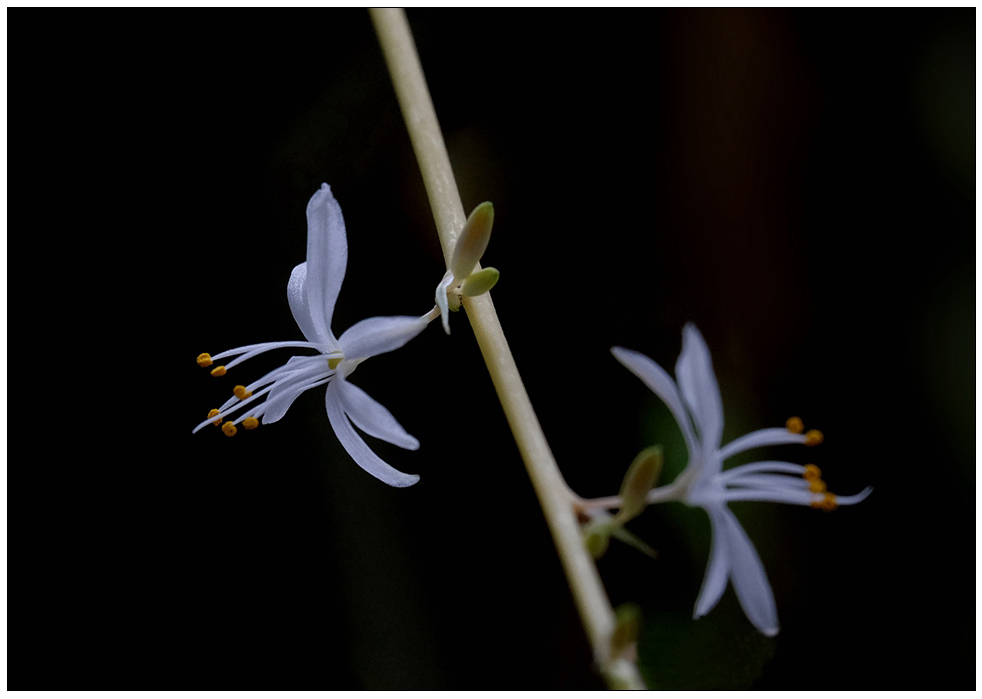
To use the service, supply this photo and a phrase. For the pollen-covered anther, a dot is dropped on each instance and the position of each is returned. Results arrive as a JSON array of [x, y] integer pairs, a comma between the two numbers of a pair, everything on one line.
[[812, 472], [212, 413], [794, 424], [241, 393], [827, 503], [218, 371], [817, 485], [204, 359], [229, 429], [813, 437], [250, 423]]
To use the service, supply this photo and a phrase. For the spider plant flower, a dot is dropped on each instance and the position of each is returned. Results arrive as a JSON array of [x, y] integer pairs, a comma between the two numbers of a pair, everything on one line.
[[696, 404], [312, 291], [461, 279]]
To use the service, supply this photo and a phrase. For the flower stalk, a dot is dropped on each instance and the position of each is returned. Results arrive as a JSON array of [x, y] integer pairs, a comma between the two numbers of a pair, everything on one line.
[[554, 495]]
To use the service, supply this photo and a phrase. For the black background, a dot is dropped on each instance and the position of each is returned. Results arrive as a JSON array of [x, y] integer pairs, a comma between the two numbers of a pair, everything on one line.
[[800, 184]]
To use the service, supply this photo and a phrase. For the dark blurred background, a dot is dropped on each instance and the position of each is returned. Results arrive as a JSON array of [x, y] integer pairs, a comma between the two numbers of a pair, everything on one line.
[[800, 184]]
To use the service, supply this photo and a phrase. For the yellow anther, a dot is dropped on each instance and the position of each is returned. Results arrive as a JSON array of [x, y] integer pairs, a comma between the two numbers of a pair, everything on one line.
[[794, 424], [204, 359], [218, 371], [813, 437], [332, 362], [212, 413], [229, 429], [812, 472], [827, 503], [241, 393], [817, 485], [250, 423]]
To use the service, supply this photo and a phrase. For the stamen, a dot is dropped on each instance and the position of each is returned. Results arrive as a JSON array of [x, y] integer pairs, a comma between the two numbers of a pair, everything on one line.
[[812, 472], [218, 371], [204, 359], [241, 393], [817, 485], [212, 413], [241, 354], [813, 437], [229, 429], [250, 423], [794, 424], [827, 503]]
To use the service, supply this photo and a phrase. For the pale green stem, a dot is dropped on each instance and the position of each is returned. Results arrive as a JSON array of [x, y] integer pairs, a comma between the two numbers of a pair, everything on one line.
[[556, 499], [666, 493]]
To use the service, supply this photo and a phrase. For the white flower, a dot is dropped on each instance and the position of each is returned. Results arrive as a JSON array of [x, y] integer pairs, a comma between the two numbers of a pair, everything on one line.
[[312, 290], [697, 406]]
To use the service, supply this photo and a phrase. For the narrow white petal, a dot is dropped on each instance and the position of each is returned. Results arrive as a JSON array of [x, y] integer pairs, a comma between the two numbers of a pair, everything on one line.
[[296, 292], [327, 259], [718, 568], [442, 301], [356, 447], [748, 576], [370, 416], [373, 336], [303, 373], [697, 383], [769, 436], [658, 380]]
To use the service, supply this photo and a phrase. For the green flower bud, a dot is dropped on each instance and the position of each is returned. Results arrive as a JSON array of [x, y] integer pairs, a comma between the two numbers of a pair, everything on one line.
[[627, 626], [641, 477], [473, 240], [480, 282], [596, 537]]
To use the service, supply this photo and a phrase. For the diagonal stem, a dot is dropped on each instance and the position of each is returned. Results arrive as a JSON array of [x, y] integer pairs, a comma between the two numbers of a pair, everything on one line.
[[554, 495]]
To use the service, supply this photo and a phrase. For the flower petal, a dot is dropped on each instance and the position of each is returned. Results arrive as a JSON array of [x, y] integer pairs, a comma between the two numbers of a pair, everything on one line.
[[697, 382], [769, 436], [305, 371], [356, 447], [373, 336], [718, 568], [296, 293], [442, 302], [327, 259], [748, 576], [370, 416], [658, 380]]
